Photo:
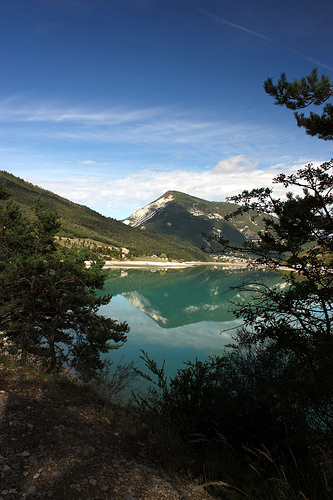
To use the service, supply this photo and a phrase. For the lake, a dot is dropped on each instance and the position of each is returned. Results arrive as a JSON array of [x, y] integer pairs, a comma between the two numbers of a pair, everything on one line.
[[176, 315]]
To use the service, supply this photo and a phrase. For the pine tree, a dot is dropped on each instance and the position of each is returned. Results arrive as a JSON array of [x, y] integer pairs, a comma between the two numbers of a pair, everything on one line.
[[49, 299], [294, 322], [299, 94]]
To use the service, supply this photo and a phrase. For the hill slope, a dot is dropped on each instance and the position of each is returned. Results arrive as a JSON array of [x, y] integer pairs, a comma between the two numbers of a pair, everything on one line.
[[79, 221], [190, 219]]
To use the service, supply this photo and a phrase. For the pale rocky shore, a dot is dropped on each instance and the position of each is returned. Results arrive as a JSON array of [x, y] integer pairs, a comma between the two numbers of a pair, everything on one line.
[[142, 264]]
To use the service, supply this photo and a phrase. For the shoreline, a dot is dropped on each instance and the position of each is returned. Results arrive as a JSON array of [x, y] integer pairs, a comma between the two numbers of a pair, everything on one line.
[[142, 264]]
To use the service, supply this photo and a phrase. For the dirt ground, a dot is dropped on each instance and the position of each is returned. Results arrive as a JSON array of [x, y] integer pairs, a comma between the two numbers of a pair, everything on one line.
[[57, 442]]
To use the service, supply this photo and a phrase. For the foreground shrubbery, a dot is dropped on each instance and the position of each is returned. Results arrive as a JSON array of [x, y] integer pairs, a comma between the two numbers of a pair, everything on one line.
[[230, 469], [227, 420]]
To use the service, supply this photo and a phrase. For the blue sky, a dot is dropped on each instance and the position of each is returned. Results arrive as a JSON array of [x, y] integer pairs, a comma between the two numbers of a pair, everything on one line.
[[110, 103]]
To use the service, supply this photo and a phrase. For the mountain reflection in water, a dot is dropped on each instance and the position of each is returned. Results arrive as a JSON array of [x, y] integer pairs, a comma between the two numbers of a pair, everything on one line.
[[177, 315]]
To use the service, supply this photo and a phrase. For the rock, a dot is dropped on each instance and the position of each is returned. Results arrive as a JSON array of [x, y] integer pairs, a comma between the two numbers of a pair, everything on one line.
[[92, 482], [32, 490], [57, 475], [33, 459]]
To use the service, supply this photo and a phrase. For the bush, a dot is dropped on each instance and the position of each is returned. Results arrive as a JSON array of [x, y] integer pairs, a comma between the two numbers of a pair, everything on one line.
[[224, 418]]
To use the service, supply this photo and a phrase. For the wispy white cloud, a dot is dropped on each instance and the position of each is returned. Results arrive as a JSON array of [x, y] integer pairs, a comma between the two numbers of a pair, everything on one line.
[[19, 109], [231, 165], [121, 197], [169, 134], [156, 129], [117, 160]]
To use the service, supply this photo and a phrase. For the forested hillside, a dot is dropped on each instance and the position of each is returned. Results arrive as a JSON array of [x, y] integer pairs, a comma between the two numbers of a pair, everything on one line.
[[78, 221]]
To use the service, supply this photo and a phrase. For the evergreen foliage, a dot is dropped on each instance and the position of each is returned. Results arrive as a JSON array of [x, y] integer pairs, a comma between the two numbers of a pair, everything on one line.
[[299, 94], [48, 297], [273, 391], [294, 325]]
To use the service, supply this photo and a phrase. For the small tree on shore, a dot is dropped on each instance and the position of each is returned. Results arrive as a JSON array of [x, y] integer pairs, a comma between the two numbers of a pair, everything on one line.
[[49, 299], [295, 321]]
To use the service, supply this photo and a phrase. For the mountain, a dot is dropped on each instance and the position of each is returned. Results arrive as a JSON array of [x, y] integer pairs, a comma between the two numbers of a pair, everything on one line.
[[191, 219], [81, 222]]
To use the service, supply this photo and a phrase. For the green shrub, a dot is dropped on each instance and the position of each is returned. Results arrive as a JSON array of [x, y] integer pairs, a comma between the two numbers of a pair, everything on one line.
[[224, 419]]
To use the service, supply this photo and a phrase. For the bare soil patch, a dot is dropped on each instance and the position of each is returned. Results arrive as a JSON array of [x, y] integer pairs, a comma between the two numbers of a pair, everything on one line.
[[57, 441]]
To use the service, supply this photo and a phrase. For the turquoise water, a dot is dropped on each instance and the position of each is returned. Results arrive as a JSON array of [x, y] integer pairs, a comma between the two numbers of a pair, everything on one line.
[[176, 315]]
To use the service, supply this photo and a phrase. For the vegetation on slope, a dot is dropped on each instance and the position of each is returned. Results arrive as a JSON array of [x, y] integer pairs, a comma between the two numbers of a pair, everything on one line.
[[78, 221], [193, 220]]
